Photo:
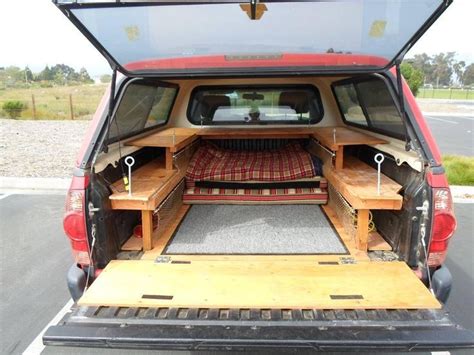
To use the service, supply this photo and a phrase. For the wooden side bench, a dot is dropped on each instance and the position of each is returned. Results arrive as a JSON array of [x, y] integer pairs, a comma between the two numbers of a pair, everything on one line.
[[357, 183]]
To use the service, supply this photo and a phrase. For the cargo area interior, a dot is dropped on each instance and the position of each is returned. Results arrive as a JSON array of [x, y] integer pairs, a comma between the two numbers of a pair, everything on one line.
[[262, 216]]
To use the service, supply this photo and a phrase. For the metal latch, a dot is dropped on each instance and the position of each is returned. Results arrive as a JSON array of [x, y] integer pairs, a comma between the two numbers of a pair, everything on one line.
[[424, 208], [92, 209]]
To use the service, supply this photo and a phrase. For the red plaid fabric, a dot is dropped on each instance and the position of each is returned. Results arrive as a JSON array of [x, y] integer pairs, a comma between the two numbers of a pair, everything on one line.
[[210, 163], [249, 196]]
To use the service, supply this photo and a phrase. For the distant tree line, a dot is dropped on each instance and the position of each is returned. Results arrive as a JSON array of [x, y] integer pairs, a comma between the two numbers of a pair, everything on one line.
[[439, 70], [57, 75]]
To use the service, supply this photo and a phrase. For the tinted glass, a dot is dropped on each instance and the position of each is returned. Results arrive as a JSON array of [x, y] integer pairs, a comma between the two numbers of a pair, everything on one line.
[[142, 106], [381, 113], [349, 104], [255, 105], [366, 32]]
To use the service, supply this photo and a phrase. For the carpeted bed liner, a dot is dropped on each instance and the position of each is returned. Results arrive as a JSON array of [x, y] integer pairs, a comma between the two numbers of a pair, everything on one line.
[[270, 229]]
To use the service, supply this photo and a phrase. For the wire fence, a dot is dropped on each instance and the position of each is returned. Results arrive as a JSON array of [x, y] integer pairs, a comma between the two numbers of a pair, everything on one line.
[[446, 93], [64, 103]]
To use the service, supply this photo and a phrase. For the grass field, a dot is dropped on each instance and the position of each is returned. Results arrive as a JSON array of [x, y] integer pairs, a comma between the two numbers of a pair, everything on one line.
[[450, 94], [54, 103], [459, 169]]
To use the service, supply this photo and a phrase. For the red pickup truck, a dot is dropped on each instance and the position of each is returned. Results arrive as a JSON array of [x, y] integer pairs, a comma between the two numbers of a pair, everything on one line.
[[258, 175]]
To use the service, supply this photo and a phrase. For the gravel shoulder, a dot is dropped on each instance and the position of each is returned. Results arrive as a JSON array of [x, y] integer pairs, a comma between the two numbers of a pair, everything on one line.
[[48, 148], [39, 148]]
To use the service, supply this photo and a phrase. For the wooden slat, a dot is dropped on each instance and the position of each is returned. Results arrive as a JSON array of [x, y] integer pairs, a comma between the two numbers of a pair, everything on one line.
[[376, 242], [344, 136], [362, 233], [147, 229], [254, 132], [173, 138], [357, 182], [246, 284], [133, 243]]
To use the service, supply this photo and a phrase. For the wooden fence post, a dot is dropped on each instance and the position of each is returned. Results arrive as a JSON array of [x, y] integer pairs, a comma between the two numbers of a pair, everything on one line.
[[70, 106], [33, 105]]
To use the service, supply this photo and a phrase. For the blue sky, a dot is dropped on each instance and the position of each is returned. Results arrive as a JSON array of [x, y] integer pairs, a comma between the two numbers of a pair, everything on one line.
[[35, 33]]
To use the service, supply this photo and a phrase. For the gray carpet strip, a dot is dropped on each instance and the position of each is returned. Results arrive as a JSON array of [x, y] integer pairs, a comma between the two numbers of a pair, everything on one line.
[[244, 229]]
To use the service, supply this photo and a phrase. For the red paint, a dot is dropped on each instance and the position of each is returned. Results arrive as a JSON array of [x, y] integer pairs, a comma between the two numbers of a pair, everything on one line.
[[438, 180], [93, 127], [284, 60]]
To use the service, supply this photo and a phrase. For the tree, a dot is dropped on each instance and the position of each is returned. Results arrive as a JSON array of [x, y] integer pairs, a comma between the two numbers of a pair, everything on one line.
[[468, 75], [458, 68], [84, 76], [443, 68], [106, 78], [423, 62], [46, 74], [413, 76], [28, 74], [64, 73]]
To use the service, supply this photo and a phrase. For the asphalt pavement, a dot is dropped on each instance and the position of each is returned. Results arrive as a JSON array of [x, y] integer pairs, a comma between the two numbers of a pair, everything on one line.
[[454, 134], [35, 257]]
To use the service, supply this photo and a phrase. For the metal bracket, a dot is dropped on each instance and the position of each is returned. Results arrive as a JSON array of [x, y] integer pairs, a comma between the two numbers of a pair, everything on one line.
[[163, 260], [347, 260]]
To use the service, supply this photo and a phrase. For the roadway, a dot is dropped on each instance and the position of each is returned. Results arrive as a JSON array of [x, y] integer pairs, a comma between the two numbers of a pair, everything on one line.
[[454, 134]]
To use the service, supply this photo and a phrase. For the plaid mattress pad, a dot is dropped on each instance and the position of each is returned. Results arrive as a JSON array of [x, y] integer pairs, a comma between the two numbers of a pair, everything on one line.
[[211, 163]]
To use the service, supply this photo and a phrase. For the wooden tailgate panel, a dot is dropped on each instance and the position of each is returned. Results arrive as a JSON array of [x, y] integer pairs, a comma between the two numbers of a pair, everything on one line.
[[259, 284]]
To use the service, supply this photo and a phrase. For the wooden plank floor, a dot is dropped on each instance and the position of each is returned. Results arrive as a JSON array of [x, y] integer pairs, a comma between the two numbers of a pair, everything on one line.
[[259, 284]]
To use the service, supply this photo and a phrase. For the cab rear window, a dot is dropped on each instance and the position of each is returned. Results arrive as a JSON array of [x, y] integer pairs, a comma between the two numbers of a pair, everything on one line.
[[368, 104], [300, 104], [143, 106]]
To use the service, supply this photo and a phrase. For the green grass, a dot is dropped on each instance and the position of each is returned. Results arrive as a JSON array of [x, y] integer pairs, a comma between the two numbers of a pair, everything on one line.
[[459, 169], [53, 103], [453, 94]]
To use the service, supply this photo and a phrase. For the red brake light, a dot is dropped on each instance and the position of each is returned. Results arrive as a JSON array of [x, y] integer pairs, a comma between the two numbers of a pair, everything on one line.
[[444, 225], [74, 220]]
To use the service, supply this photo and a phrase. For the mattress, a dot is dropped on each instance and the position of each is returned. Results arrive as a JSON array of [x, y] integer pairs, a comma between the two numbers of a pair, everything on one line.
[[290, 163], [198, 195]]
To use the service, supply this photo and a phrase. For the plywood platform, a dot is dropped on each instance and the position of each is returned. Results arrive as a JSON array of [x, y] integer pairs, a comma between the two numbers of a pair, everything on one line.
[[244, 284]]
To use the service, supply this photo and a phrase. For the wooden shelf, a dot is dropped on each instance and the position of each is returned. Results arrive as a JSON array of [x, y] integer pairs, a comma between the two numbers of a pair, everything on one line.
[[343, 136], [255, 132], [173, 138], [357, 182], [149, 187]]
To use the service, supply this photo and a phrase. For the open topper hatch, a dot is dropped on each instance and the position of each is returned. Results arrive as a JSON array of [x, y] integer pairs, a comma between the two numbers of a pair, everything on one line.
[[240, 37]]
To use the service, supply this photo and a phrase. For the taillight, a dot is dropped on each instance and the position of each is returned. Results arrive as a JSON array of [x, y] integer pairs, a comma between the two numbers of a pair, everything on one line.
[[74, 220], [444, 225]]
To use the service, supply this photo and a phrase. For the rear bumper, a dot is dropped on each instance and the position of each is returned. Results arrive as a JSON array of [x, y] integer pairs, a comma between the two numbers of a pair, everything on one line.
[[76, 281], [185, 329]]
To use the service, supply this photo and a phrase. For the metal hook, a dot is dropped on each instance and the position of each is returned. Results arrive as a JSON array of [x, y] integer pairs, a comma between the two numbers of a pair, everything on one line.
[[129, 161], [379, 158]]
